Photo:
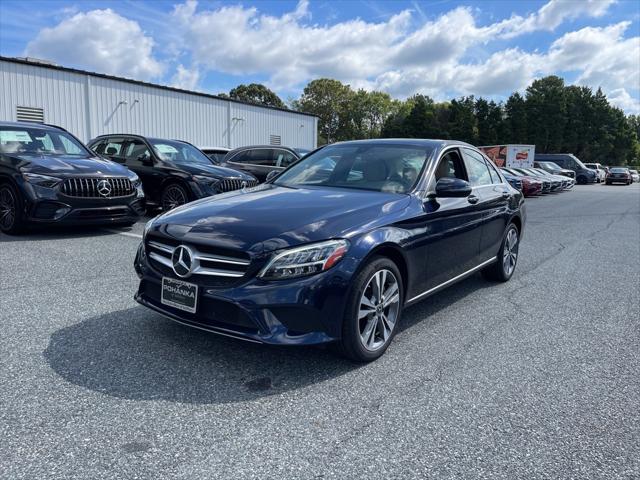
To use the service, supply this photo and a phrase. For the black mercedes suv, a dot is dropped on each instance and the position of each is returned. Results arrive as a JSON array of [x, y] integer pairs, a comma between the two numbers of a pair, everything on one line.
[[173, 172], [48, 176]]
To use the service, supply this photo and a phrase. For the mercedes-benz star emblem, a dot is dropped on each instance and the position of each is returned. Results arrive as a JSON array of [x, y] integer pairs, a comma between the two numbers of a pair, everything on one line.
[[243, 186], [182, 261], [104, 188]]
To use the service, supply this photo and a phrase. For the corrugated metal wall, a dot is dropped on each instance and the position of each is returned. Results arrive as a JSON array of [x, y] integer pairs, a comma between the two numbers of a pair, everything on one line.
[[89, 105]]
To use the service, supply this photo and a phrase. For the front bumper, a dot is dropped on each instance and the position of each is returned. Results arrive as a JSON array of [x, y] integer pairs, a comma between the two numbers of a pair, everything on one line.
[[303, 311], [50, 206]]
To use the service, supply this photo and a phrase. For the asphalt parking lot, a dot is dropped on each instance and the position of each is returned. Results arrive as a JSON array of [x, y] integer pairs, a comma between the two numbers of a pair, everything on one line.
[[536, 378]]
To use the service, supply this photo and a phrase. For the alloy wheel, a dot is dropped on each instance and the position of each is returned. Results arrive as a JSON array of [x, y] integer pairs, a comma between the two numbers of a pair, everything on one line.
[[173, 197], [8, 207], [510, 253], [378, 311]]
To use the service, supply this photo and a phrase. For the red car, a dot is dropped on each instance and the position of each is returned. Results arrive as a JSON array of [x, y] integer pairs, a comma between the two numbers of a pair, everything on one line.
[[531, 186]]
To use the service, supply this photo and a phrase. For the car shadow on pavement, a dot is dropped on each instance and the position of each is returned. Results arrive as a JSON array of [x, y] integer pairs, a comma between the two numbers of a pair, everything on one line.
[[139, 355]]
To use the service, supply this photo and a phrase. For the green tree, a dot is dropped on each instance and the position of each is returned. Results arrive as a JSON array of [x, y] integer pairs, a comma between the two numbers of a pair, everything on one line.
[[515, 123], [546, 113], [329, 100], [462, 122], [489, 121], [256, 93]]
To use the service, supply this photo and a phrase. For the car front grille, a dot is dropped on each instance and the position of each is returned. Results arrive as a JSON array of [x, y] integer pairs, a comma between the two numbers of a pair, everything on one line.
[[231, 184], [100, 187], [212, 266]]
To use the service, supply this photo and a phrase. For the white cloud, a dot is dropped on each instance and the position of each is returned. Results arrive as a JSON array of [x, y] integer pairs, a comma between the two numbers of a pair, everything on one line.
[[100, 40], [552, 15], [185, 78], [621, 98], [443, 56]]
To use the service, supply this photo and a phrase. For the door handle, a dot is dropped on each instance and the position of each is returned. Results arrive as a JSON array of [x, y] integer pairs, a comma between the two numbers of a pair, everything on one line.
[[472, 199]]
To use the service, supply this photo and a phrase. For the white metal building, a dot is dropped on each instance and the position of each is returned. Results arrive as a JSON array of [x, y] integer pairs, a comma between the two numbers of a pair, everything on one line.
[[91, 104]]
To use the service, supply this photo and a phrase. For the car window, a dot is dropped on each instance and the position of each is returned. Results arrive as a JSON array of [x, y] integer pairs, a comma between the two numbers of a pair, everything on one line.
[[493, 171], [378, 167], [284, 158], [477, 169], [450, 165], [111, 147], [135, 151], [263, 156], [37, 141]]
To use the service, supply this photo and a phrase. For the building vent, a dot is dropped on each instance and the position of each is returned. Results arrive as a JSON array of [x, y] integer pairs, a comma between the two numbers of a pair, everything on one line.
[[275, 140], [30, 114]]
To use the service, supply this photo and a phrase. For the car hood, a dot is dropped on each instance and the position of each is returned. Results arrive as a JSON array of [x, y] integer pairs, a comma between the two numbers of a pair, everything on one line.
[[68, 165], [270, 217], [214, 171]]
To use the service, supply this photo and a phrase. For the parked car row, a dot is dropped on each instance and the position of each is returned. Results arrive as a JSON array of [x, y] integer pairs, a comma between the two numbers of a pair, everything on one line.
[[537, 181], [49, 176]]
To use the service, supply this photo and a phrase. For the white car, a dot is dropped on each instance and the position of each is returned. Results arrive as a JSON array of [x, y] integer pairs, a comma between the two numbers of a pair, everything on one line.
[[600, 171], [634, 175]]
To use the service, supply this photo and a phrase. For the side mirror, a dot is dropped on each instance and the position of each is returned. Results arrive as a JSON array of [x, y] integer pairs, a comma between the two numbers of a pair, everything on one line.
[[452, 187], [272, 174], [145, 159]]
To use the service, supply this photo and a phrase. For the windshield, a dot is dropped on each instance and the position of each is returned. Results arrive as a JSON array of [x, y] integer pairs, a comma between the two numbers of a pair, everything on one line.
[[178, 152], [618, 170], [364, 166], [39, 141]]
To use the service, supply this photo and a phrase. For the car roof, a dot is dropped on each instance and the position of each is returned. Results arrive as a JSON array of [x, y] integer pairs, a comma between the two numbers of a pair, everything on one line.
[[44, 126], [222, 149], [143, 137]]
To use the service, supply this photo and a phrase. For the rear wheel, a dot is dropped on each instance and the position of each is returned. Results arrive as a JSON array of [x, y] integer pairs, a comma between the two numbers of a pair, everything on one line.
[[581, 180], [173, 196], [502, 270], [373, 311]]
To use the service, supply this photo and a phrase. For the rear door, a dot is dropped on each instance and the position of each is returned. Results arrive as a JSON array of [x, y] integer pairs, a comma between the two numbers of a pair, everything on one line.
[[257, 161]]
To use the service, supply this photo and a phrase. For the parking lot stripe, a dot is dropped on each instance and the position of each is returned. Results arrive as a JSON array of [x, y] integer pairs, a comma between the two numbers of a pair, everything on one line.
[[126, 234]]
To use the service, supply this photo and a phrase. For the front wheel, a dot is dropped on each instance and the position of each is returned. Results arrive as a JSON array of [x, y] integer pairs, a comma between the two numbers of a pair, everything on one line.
[[11, 221], [502, 269], [173, 196], [373, 311]]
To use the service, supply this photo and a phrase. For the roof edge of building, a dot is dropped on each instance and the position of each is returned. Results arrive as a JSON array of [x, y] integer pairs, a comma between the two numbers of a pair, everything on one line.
[[51, 66]]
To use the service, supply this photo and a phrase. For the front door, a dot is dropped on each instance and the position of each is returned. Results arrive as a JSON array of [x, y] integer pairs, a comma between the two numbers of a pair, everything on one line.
[[452, 229]]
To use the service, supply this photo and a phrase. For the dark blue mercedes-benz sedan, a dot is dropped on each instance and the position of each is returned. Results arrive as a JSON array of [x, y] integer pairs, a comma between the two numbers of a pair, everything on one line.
[[334, 247]]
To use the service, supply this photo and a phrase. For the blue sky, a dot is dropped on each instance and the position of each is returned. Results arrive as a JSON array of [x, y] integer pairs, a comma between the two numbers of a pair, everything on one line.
[[440, 48]]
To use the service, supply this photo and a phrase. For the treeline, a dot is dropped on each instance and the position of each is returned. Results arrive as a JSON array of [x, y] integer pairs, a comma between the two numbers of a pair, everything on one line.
[[552, 116]]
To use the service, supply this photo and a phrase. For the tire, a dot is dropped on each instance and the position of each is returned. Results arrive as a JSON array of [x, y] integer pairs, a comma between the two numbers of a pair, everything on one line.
[[503, 269], [369, 326], [11, 210], [581, 180], [608, 183], [173, 196]]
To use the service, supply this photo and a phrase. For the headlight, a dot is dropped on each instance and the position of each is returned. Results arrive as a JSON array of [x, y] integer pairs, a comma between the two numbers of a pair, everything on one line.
[[41, 180], [137, 184], [307, 260], [205, 180]]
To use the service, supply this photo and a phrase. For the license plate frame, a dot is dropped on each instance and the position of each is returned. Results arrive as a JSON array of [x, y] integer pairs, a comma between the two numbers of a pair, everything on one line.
[[184, 295]]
